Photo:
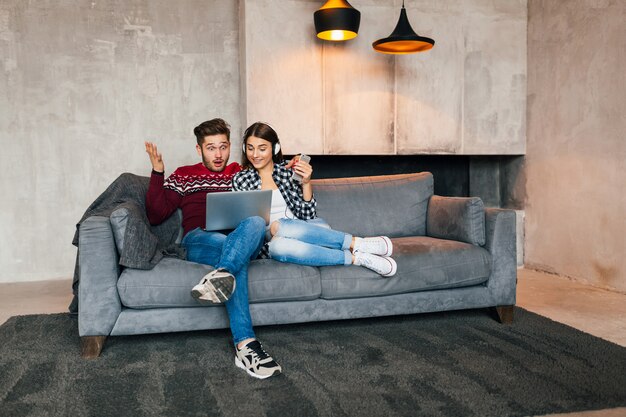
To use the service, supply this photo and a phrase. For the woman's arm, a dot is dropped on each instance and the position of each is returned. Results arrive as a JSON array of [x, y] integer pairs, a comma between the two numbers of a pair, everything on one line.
[[243, 181], [306, 171], [307, 191]]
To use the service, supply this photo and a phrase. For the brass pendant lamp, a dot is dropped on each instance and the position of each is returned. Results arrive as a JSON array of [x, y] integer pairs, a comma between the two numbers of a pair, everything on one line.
[[403, 39], [337, 20]]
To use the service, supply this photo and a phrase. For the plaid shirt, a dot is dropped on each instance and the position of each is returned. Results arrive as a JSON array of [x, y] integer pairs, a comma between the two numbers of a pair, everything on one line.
[[291, 191], [250, 179]]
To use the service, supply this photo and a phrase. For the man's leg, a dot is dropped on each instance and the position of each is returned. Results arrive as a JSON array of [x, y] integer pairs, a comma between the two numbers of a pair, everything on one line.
[[204, 247], [231, 267], [242, 245], [235, 251], [238, 308]]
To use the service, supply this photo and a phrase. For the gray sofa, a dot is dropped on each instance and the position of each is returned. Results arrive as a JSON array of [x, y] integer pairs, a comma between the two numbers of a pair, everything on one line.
[[452, 254]]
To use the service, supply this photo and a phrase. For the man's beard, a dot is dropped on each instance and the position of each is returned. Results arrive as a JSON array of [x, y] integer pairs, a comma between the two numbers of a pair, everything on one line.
[[212, 167]]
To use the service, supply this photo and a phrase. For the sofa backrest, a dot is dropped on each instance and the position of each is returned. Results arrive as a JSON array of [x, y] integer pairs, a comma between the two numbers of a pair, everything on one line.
[[392, 205]]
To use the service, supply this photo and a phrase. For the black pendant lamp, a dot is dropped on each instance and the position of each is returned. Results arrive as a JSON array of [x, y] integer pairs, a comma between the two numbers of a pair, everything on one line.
[[337, 20], [403, 39]]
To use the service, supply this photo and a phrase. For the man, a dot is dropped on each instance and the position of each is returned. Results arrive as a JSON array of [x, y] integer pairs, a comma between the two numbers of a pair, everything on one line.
[[230, 254]]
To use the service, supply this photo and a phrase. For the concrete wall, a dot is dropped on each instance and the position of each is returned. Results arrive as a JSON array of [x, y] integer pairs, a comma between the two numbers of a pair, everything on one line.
[[576, 152], [82, 85], [465, 96]]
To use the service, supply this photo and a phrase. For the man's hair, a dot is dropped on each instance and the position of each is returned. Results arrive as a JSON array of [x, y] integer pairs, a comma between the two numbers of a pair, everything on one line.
[[210, 128], [263, 131]]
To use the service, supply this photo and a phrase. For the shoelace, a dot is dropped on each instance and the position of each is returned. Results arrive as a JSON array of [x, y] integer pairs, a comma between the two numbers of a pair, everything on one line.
[[258, 351], [365, 261]]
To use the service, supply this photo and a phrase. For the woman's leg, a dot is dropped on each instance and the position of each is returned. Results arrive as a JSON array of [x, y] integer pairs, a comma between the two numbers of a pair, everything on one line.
[[294, 251], [317, 235], [318, 221], [378, 245]]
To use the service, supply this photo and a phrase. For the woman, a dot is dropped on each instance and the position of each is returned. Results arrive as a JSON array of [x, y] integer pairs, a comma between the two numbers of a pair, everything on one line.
[[295, 234]]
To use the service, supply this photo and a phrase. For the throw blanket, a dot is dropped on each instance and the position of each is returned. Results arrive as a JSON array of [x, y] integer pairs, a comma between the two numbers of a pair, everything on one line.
[[144, 245]]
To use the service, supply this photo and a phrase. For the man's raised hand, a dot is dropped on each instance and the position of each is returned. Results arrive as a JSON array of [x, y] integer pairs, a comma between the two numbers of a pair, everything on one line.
[[156, 159]]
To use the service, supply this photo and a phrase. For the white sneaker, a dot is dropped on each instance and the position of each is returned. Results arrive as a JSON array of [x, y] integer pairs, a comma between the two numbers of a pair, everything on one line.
[[215, 288], [382, 265], [379, 245], [253, 359]]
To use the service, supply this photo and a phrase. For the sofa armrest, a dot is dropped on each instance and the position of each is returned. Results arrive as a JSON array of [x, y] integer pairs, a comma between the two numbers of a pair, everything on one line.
[[99, 303], [456, 218], [501, 242]]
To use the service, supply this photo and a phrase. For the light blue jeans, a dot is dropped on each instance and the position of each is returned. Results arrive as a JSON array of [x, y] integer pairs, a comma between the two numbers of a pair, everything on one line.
[[232, 252], [310, 242]]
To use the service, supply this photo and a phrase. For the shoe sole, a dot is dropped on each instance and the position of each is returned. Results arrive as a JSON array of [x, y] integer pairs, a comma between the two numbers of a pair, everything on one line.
[[220, 287], [240, 365]]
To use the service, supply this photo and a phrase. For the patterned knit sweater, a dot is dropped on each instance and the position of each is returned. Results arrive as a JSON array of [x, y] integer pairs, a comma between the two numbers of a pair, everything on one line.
[[186, 189]]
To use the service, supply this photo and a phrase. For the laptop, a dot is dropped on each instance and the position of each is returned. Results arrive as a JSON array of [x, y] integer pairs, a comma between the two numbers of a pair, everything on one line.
[[225, 210]]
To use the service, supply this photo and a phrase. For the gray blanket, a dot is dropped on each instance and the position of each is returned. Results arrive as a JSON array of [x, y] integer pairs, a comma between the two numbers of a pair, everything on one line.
[[144, 245]]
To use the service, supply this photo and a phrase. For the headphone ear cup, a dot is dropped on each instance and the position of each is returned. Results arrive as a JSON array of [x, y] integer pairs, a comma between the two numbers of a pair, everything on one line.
[[276, 148]]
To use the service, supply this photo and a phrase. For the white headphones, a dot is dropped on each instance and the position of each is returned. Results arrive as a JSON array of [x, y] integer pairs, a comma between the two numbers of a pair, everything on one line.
[[276, 148]]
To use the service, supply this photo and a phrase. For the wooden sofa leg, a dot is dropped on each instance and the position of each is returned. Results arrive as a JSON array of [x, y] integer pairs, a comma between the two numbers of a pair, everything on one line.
[[91, 346], [505, 314]]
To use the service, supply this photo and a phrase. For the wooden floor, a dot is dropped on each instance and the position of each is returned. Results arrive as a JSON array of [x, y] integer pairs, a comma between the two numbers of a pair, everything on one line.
[[598, 312]]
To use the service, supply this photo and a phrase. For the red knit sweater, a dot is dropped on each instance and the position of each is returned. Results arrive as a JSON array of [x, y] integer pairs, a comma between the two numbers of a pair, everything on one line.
[[186, 189]]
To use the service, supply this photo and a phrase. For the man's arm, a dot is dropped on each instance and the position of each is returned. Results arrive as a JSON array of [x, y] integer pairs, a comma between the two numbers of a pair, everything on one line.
[[160, 203]]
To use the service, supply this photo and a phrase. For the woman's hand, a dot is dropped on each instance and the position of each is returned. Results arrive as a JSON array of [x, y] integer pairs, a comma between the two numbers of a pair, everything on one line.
[[156, 159], [304, 169]]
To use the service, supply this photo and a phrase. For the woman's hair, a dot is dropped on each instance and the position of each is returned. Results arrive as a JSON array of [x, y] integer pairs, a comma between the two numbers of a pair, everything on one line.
[[210, 128], [263, 131]]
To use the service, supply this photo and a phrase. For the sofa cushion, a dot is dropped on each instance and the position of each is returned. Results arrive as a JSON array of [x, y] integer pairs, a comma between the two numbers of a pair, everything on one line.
[[424, 263], [392, 205], [270, 280], [457, 218], [169, 283]]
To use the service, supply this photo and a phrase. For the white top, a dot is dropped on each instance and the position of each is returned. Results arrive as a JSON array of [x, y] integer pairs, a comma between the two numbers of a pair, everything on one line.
[[279, 209]]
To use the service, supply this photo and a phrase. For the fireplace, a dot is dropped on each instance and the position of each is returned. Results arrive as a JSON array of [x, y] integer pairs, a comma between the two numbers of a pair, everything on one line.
[[497, 179]]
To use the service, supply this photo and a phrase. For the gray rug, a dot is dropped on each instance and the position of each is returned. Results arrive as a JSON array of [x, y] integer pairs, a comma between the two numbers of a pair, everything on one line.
[[446, 364]]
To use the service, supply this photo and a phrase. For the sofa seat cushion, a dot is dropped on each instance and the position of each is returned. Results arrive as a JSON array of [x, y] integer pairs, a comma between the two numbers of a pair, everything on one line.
[[169, 283], [424, 263], [271, 280]]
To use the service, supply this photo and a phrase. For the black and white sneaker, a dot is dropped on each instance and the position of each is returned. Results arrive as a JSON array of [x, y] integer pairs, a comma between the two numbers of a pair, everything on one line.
[[256, 361], [215, 288]]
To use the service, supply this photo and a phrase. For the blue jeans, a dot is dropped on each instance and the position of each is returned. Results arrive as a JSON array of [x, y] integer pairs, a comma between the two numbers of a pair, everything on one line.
[[310, 242], [232, 252]]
